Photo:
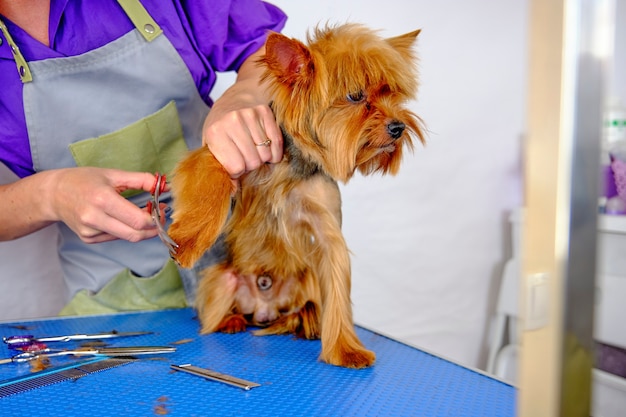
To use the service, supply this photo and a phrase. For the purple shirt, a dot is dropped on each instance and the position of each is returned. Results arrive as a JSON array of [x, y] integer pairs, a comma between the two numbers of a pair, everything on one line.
[[210, 36]]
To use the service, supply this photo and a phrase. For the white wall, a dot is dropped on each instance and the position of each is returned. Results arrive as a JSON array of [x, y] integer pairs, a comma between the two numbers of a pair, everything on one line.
[[617, 74], [429, 244]]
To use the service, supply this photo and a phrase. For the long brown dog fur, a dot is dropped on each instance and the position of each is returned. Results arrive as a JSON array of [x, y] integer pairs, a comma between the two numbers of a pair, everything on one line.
[[341, 103]]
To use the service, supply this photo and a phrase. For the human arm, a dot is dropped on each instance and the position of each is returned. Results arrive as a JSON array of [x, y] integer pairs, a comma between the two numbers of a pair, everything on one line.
[[240, 120], [86, 199]]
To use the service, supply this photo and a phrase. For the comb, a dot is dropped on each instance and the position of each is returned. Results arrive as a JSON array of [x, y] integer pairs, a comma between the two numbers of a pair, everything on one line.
[[216, 376], [58, 374]]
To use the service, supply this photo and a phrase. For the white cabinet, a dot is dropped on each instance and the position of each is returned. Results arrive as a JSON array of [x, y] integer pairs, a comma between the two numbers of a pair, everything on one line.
[[610, 324], [609, 391]]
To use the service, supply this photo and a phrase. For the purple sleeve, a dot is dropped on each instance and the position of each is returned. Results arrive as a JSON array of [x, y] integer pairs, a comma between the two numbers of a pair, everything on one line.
[[228, 31]]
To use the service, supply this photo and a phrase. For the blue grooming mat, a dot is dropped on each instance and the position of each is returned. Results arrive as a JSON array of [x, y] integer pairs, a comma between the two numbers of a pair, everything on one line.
[[404, 381]]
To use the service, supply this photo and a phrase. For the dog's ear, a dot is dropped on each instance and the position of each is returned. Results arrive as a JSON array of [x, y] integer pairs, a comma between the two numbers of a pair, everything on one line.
[[215, 300], [404, 42], [288, 59]]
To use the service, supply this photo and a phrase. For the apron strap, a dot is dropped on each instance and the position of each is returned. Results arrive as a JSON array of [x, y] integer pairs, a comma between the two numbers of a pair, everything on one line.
[[22, 67], [142, 20]]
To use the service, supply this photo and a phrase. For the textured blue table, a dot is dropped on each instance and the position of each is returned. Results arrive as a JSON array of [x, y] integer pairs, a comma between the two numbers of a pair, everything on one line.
[[405, 381]]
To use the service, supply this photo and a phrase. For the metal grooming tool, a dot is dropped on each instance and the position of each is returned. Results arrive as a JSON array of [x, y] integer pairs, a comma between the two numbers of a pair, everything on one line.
[[16, 342], [58, 374], [153, 207], [216, 376], [112, 351]]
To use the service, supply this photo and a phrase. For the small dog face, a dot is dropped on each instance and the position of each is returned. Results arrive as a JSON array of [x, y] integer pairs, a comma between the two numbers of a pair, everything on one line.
[[344, 97], [277, 305], [341, 104], [262, 299]]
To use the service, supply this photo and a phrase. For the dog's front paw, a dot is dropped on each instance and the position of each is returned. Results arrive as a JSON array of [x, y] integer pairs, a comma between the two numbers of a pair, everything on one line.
[[304, 323], [232, 324], [347, 352], [349, 358]]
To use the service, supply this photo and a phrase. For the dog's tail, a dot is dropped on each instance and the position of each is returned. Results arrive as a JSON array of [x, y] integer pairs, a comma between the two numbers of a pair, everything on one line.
[[202, 191]]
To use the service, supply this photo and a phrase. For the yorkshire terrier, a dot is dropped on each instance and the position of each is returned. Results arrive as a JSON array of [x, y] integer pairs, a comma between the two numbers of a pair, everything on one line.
[[341, 103]]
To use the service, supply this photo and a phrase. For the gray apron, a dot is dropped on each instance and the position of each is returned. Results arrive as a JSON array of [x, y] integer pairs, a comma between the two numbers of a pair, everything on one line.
[[131, 104]]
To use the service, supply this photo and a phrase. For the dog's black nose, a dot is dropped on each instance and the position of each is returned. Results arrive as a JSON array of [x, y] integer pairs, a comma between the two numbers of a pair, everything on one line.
[[395, 129]]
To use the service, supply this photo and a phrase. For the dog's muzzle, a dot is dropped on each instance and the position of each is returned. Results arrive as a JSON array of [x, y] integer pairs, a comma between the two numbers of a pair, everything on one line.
[[395, 129]]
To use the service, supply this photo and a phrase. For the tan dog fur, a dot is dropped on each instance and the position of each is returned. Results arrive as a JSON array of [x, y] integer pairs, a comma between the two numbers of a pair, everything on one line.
[[341, 102]]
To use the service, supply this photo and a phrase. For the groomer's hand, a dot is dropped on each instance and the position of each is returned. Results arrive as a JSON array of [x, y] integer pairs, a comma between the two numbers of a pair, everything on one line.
[[88, 200], [241, 130]]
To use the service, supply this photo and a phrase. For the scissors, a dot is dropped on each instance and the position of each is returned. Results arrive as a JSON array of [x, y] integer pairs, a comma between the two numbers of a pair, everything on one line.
[[112, 351], [153, 208], [17, 342]]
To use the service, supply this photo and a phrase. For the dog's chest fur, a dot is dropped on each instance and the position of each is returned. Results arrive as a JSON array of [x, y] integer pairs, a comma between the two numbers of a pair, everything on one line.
[[279, 210]]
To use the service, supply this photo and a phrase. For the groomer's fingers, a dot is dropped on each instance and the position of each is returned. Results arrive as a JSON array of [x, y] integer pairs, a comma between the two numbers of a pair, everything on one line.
[[248, 133], [125, 220], [265, 135], [88, 201], [110, 228], [228, 154], [125, 180], [272, 132], [117, 218], [117, 229], [240, 139]]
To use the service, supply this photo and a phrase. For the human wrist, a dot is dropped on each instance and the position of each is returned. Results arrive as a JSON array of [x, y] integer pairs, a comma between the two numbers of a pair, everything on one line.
[[47, 187]]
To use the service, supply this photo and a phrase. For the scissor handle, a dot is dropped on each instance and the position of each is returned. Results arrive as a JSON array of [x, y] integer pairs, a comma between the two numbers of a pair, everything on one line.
[[159, 185], [24, 357], [114, 351], [29, 356], [34, 354], [15, 342]]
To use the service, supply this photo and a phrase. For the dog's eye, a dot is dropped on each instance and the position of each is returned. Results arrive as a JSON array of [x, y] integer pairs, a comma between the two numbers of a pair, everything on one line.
[[356, 97], [264, 282]]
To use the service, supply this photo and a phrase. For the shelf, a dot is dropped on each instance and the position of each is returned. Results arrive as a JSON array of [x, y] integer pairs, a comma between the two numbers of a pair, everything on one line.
[[612, 223]]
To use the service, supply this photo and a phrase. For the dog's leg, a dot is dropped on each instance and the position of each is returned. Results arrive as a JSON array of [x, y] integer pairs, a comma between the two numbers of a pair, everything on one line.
[[304, 323], [215, 300], [340, 344], [315, 213], [309, 321], [202, 192], [233, 323]]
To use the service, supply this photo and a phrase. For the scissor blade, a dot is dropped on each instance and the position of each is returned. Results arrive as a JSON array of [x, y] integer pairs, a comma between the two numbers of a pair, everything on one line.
[[133, 350], [105, 335], [120, 334]]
